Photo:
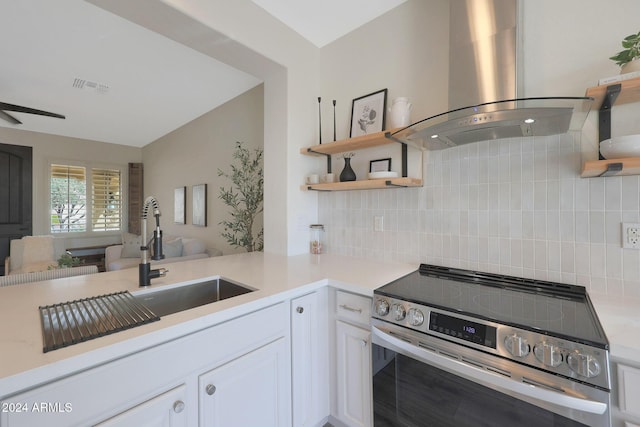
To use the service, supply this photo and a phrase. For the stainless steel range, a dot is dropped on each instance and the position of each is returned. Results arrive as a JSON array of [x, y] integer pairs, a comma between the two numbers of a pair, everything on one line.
[[455, 347]]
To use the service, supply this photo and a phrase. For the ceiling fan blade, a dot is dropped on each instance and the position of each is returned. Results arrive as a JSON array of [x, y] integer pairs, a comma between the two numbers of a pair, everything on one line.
[[19, 109], [8, 117]]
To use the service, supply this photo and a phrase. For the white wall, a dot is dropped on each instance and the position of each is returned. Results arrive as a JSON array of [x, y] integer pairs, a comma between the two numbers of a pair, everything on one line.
[[404, 50], [514, 206], [193, 154]]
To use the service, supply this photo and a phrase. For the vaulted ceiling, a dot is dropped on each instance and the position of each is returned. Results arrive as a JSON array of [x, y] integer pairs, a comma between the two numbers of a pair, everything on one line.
[[117, 82]]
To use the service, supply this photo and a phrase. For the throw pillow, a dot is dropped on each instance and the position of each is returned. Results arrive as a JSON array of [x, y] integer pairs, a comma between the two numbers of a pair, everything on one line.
[[192, 246], [172, 248], [130, 246]]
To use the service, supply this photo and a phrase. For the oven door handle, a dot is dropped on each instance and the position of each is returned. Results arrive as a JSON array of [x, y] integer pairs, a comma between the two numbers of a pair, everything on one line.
[[487, 378]]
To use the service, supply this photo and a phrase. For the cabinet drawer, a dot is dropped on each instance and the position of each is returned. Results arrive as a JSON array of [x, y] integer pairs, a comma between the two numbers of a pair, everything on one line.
[[355, 308], [629, 389]]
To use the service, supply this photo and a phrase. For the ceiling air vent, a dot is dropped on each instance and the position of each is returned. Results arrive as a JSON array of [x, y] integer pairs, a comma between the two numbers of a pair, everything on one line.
[[90, 85]]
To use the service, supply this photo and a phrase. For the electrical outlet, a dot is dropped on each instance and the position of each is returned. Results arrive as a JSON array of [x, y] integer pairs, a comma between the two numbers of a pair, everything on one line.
[[630, 235], [378, 223]]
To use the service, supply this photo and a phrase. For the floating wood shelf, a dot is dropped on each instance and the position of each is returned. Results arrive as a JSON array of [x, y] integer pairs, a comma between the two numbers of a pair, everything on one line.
[[629, 92], [614, 167], [351, 144], [358, 143], [368, 184]]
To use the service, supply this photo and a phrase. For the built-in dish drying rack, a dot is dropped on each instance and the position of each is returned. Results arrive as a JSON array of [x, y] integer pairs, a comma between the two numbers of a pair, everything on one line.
[[81, 320]]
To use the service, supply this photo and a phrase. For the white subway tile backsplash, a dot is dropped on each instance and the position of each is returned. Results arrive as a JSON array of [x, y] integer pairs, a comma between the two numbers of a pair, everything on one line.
[[539, 165], [515, 206], [613, 229], [583, 259], [582, 226], [567, 226], [630, 193], [554, 256], [566, 195], [613, 260], [598, 260], [596, 194], [567, 257], [540, 225], [581, 199], [596, 227], [613, 194]]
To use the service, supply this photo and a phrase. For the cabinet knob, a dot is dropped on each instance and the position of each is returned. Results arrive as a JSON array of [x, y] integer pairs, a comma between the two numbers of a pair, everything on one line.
[[363, 343], [178, 406], [210, 389], [300, 309]]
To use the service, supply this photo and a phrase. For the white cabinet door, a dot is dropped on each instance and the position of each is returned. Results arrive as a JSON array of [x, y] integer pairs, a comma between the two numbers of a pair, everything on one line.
[[629, 389], [166, 410], [250, 391], [354, 383], [309, 359]]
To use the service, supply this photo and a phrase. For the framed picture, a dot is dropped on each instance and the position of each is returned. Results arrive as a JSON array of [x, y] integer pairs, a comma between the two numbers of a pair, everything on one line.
[[199, 213], [380, 165], [179, 204], [368, 113]]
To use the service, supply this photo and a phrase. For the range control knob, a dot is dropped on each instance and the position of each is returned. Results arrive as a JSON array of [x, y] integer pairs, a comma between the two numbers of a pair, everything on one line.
[[583, 364], [399, 312], [516, 345], [415, 317], [382, 307], [548, 354]]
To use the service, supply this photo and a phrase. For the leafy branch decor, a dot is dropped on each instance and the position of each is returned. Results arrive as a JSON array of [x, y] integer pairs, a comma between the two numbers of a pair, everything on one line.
[[631, 45], [67, 261], [245, 198]]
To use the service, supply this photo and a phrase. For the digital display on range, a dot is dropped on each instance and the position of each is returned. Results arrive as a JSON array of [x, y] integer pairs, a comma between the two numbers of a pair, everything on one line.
[[463, 329]]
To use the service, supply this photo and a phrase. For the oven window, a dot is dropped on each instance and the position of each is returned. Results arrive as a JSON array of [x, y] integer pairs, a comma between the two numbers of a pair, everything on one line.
[[411, 393]]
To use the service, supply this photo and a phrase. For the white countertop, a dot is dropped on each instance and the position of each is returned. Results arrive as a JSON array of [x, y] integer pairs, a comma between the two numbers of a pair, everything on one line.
[[275, 278], [620, 318]]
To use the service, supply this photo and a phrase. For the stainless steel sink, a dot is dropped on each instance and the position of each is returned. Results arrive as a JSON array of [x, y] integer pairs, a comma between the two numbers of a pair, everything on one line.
[[185, 297]]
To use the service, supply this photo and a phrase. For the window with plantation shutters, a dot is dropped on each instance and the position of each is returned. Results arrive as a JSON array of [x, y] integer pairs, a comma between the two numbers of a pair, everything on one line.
[[68, 199], [106, 200], [85, 199]]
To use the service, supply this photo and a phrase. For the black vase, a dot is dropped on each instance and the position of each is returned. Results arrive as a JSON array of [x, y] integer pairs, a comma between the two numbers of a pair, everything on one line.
[[347, 173]]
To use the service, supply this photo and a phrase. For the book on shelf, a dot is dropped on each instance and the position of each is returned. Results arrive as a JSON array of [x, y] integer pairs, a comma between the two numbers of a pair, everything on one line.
[[619, 78]]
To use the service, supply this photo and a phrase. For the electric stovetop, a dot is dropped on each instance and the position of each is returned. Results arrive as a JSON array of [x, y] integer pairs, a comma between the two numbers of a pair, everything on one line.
[[545, 307]]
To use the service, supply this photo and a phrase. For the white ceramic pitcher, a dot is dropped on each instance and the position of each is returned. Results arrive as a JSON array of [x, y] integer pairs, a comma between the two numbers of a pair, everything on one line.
[[399, 113]]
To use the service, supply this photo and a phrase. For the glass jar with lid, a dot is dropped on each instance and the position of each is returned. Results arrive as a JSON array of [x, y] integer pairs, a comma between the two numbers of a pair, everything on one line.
[[316, 241]]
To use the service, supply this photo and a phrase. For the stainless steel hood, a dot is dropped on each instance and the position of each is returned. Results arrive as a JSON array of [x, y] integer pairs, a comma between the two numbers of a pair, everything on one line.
[[485, 81], [496, 120]]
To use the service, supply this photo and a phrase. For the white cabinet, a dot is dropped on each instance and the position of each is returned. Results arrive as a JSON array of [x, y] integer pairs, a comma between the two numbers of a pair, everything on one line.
[[309, 358], [166, 410], [626, 395], [248, 391], [353, 378], [250, 354], [354, 375]]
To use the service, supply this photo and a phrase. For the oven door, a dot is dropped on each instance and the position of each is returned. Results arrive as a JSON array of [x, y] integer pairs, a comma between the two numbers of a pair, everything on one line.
[[420, 380]]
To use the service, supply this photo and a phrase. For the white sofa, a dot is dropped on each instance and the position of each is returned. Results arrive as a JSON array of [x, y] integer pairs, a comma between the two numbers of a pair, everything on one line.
[[38, 276], [127, 255]]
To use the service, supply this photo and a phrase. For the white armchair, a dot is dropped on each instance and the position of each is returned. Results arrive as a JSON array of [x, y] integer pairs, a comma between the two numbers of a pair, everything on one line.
[[31, 254]]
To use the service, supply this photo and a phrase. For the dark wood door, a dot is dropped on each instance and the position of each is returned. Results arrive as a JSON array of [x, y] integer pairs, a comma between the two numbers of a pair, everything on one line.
[[15, 196]]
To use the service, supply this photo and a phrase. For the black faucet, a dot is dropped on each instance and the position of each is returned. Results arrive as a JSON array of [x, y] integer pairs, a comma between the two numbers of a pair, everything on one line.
[[144, 268]]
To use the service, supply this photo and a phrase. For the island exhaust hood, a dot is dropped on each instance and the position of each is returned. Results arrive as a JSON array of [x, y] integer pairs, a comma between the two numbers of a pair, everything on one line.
[[483, 68]]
